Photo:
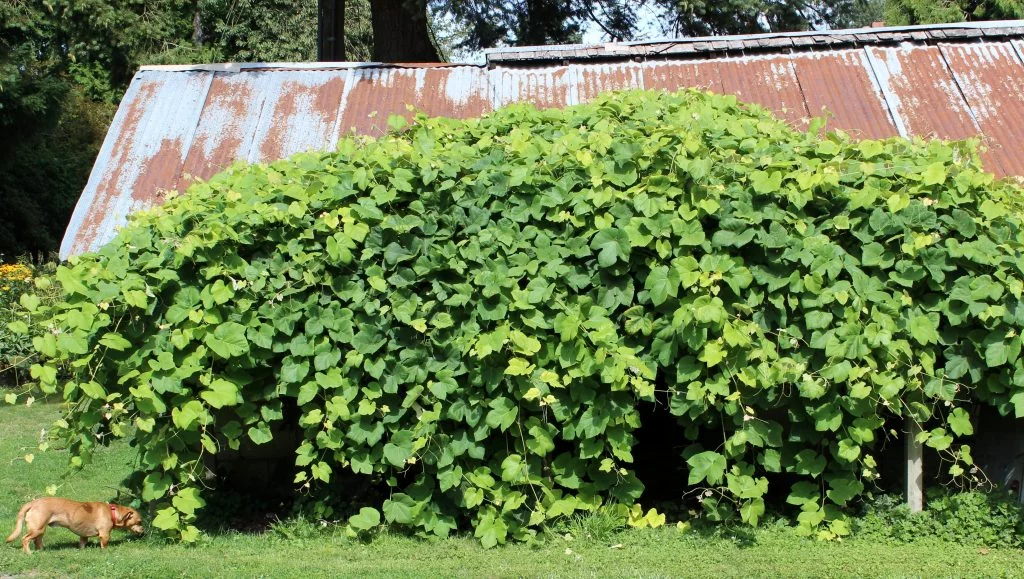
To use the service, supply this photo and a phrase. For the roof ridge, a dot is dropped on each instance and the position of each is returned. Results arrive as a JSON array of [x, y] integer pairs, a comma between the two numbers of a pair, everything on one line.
[[663, 48], [769, 42]]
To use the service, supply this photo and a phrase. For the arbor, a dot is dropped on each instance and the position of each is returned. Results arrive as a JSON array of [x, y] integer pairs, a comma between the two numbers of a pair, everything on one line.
[[473, 313]]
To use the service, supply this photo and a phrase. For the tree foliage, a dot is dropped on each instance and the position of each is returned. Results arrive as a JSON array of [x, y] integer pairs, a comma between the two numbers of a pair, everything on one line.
[[474, 311], [64, 64], [717, 17], [902, 12], [536, 22]]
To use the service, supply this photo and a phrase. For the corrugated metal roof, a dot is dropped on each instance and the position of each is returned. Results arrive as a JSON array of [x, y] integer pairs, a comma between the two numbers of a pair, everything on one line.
[[179, 123], [750, 43]]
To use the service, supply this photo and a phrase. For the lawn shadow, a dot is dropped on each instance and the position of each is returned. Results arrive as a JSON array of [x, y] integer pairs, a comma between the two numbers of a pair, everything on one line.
[[743, 536], [66, 544]]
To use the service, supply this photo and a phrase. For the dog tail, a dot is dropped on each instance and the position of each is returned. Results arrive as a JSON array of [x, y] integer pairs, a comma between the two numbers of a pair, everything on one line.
[[21, 519]]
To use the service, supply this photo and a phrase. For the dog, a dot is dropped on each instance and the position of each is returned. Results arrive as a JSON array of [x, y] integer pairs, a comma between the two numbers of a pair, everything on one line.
[[83, 519]]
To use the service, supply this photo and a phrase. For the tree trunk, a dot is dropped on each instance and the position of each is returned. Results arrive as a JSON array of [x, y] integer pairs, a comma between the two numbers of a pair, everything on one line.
[[197, 27], [330, 41], [400, 32]]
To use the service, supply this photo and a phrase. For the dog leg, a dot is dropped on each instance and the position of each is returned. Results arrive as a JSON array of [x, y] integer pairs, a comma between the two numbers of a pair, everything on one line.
[[104, 539], [18, 522], [82, 541], [32, 536]]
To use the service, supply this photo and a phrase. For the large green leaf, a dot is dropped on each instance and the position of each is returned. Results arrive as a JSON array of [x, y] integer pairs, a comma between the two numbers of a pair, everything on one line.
[[366, 519], [399, 449], [706, 466], [612, 245], [221, 393], [228, 340], [399, 509], [662, 283]]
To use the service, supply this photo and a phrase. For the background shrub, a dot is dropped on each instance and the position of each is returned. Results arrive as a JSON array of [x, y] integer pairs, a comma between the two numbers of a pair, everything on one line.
[[16, 352], [991, 519]]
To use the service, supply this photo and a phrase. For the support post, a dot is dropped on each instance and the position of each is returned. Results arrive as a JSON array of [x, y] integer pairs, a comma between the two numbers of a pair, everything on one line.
[[915, 466]]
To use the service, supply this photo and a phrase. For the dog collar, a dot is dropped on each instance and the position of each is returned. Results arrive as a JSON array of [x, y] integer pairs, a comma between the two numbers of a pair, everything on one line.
[[113, 514]]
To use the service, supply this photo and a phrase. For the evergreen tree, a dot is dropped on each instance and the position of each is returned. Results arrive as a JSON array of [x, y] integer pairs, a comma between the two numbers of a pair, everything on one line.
[[902, 12]]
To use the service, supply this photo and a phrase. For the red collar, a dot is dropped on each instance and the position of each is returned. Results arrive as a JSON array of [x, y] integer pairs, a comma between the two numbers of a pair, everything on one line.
[[113, 514]]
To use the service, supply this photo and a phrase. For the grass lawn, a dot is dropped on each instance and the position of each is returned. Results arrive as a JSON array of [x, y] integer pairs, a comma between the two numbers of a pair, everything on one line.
[[662, 552]]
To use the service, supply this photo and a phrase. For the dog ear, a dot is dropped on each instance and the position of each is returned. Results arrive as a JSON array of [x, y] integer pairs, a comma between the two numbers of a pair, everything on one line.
[[124, 518]]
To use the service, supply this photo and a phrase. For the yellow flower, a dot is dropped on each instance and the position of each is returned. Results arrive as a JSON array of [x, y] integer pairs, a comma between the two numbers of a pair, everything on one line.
[[15, 272]]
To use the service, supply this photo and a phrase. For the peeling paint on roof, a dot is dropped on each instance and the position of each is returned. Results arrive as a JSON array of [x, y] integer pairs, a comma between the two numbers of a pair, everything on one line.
[[177, 124], [840, 86], [990, 77], [924, 96], [543, 87]]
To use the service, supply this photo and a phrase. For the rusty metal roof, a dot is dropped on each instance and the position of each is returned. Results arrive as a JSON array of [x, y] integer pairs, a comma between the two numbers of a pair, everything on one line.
[[180, 123], [753, 43]]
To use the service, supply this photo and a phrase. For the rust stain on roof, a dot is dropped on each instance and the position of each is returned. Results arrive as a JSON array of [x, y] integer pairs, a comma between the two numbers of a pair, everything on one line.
[[302, 115], [594, 79], [141, 156], [673, 76], [926, 98], [226, 126], [839, 86], [376, 94], [991, 78], [542, 87], [769, 82], [179, 123], [101, 203], [457, 92]]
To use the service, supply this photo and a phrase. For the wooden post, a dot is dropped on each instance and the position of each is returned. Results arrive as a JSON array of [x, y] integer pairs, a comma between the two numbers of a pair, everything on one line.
[[915, 463]]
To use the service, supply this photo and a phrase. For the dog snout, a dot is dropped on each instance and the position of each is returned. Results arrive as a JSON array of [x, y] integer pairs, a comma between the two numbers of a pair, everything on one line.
[[137, 529]]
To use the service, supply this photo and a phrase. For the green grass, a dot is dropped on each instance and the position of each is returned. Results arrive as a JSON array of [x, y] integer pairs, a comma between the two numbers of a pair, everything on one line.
[[301, 549]]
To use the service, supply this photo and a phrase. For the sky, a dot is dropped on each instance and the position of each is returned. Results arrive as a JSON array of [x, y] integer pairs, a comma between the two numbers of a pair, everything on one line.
[[647, 29]]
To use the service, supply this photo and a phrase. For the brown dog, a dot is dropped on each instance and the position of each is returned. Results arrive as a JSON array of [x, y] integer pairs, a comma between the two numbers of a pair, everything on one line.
[[83, 519]]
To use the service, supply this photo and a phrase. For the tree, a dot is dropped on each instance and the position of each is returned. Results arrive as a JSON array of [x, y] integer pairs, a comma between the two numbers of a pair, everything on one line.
[[904, 12], [330, 30], [30, 65], [358, 31], [493, 23], [719, 17], [541, 22], [400, 31], [264, 30]]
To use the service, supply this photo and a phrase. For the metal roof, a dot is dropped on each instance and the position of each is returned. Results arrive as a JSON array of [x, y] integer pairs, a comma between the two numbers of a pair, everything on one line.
[[180, 123]]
